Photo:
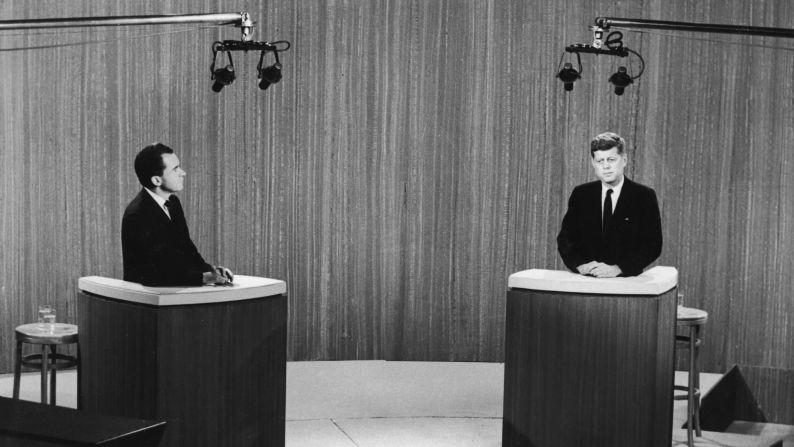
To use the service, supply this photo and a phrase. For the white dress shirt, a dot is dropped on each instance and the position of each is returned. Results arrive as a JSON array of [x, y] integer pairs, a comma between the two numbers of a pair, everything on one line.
[[160, 201]]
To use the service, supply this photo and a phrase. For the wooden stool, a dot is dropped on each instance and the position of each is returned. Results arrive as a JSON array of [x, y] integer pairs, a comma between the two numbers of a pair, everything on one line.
[[692, 319], [48, 336]]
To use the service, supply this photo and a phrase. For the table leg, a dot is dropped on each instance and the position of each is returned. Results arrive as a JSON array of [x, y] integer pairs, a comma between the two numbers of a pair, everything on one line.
[[54, 361], [17, 369], [44, 361]]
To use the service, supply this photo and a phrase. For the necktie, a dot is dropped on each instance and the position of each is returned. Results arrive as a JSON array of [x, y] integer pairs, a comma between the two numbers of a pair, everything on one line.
[[607, 215], [167, 205]]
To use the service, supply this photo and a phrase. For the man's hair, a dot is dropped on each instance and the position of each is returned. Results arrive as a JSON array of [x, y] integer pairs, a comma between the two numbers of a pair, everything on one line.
[[606, 141], [149, 162]]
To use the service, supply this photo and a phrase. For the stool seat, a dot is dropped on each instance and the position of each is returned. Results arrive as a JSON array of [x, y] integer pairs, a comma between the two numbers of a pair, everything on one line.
[[48, 336], [688, 316]]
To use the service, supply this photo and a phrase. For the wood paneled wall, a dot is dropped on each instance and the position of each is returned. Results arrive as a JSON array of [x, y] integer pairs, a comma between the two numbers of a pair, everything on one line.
[[415, 154]]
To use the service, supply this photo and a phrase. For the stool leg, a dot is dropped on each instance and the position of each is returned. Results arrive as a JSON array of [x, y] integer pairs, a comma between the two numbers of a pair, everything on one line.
[[696, 371], [44, 367], [79, 391], [53, 360], [690, 405], [17, 369]]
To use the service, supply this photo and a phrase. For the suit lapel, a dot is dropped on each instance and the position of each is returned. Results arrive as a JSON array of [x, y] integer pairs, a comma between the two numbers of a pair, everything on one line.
[[624, 201], [594, 199], [178, 215], [153, 209], [594, 209]]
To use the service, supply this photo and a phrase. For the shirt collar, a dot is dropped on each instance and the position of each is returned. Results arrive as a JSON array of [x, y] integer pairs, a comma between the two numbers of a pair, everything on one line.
[[160, 201], [615, 189]]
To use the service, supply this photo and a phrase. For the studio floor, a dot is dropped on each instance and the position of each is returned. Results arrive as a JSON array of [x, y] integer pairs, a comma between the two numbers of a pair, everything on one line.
[[398, 404]]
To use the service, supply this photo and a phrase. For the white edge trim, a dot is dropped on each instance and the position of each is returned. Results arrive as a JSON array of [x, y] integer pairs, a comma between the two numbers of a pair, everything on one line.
[[654, 281], [246, 287]]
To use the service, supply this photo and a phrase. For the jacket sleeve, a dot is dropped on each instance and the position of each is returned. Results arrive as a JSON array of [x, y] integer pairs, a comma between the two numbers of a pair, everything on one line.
[[568, 240], [648, 245]]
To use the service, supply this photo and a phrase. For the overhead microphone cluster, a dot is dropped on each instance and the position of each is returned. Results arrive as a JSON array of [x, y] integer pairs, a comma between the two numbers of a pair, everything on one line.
[[612, 46], [267, 75], [221, 76]]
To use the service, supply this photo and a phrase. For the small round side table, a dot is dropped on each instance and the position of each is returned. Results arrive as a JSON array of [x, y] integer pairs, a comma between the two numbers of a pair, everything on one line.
[[48, 336], [691, 319]]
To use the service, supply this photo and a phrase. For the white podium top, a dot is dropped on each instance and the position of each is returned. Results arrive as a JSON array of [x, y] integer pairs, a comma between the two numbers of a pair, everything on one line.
[[244, 288], [654, 281]]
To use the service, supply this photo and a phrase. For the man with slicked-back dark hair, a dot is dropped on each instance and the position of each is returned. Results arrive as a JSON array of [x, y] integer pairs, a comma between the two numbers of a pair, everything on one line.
[[612, 226], [155, 240]]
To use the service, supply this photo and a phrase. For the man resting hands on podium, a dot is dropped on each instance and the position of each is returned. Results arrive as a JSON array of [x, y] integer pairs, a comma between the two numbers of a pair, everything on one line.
[[612, 226], [155, 241]]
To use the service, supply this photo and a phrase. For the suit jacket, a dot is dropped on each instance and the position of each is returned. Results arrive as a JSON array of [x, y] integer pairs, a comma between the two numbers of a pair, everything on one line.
[[157, 250], [634, 237]]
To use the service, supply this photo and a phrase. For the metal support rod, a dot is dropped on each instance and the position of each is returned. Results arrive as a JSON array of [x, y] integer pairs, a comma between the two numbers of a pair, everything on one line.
[[232, 18], [246, 26], [607, 22]]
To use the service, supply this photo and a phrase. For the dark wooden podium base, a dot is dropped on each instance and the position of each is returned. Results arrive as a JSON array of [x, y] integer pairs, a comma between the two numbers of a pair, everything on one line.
[[588, 370], [215, 372]]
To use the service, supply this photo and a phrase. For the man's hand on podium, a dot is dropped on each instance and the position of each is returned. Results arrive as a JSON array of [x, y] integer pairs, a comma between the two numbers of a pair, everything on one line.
[[599, 270], [219, 276], [225, 272], [585, 269]]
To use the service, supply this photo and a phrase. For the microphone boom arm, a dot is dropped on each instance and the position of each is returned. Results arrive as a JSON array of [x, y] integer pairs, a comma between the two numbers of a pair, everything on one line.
[[241, 20], [608, 22]]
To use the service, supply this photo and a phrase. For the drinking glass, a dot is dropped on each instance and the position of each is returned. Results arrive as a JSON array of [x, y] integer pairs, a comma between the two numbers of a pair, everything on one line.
[[46, 317]]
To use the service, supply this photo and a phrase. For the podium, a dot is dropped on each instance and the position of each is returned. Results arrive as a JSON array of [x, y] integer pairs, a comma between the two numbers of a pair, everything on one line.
[[210, 361], [589, 361]]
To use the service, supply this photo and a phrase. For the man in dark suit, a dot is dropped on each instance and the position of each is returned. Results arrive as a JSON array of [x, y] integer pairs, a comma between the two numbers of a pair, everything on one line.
[[612, 226], [155, 241]]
